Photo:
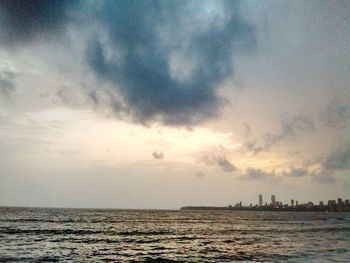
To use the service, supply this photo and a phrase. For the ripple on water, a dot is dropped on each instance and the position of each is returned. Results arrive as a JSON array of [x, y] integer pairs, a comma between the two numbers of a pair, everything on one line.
[[49, 235]]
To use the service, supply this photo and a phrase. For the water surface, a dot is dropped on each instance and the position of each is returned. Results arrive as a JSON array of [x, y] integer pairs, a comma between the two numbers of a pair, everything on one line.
[[81, 235]]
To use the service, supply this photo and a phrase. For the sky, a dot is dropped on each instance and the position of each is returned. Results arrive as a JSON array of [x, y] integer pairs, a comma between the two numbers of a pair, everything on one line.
[[163, 104]]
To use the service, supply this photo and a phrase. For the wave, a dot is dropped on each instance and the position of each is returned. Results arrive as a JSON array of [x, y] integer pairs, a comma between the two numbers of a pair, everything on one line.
[[81, 232]]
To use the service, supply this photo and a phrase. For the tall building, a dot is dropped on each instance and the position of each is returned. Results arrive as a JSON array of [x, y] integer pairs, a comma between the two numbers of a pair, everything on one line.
[[332, 203], [260, 200], [292, 203], [273, 200], [340, 201], [296, 203]]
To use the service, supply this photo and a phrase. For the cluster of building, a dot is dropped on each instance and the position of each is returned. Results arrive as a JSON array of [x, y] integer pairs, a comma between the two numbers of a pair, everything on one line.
[[332, 205]]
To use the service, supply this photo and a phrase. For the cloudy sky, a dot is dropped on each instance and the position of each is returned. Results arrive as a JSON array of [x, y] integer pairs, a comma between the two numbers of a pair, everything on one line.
[[161, 104]]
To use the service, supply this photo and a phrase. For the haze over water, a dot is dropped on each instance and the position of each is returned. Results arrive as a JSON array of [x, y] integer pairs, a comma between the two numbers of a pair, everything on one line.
[[80, 235]]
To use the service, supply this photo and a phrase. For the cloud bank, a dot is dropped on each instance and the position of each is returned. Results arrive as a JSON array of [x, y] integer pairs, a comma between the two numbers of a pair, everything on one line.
[[23, 20], [166, 59]]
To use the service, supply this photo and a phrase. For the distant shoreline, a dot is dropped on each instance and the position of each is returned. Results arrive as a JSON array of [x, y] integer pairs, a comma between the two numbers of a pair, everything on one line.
[[189, 208], [263, 209]]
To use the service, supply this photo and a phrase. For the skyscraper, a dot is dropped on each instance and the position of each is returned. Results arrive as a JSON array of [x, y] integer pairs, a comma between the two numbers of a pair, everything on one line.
[[273, 200], [292, 202], [340, 201], [260, 200]]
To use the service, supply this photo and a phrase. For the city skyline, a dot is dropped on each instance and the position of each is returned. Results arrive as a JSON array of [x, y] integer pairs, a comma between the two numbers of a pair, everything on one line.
[[333, 205], [273, 201], [296, 202]]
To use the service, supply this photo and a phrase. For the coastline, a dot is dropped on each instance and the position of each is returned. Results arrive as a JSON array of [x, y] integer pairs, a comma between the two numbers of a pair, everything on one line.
[[264, 209]]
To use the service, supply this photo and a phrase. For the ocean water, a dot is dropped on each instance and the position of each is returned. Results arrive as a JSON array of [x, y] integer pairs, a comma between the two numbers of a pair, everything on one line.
[[78, 235]]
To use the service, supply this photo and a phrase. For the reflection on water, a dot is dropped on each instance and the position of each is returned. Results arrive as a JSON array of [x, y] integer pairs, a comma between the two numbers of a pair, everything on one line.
[[32, 234]]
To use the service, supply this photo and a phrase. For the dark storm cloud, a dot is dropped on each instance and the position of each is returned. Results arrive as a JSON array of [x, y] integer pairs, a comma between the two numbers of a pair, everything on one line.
[[157, 155], [21, 20], [166, 58], [291, 126]]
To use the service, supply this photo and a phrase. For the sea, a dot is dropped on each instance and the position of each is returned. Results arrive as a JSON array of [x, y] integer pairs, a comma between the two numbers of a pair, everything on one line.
[[90, 235]]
